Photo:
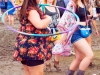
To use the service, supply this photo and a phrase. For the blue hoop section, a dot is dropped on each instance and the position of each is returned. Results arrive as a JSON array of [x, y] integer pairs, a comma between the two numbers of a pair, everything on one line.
[[14, 30], [43, 6], [2, 4]]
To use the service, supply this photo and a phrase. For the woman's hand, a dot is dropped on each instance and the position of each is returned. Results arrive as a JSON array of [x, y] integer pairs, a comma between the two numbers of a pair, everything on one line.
[[62, 39], [48, 17], [89, 16], [97, 33]]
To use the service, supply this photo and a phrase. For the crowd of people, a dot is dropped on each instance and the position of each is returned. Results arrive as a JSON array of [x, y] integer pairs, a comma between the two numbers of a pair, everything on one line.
[[8, 5], [35, 52]]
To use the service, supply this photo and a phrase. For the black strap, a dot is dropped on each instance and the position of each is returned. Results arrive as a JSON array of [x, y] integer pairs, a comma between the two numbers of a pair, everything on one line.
[[85, 11], [62, 4]]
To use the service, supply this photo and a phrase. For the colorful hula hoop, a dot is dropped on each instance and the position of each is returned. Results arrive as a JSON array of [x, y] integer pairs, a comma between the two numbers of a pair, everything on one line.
[[14, 30]]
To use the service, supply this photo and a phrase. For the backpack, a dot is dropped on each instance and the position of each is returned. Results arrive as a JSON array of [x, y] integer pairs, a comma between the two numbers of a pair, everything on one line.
[[62, 4], [98, 3]]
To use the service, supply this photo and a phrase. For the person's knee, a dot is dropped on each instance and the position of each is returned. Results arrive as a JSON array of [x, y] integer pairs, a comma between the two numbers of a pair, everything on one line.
[[79, 58], [90, 56]]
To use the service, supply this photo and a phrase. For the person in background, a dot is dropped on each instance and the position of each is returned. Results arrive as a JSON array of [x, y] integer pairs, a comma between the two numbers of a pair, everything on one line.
[[18, 3], [11, 4], [81, 46], [97, 5], [32, 51], [90, 5], [66, 2], [5, 9], [54, 13], [62, 4]]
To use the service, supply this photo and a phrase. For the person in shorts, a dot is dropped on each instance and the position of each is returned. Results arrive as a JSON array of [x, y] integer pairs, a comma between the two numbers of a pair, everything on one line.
[[32, 51], [10, 5], [4, 9]]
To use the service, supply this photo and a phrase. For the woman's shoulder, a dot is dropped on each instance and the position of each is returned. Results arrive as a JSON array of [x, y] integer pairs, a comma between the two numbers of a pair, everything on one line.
[[30, 9], [34, 9]]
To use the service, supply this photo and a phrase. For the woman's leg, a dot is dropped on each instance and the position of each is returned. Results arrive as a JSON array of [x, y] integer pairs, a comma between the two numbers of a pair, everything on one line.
[[12, 19], [9, 17], [78, 58], [36, 70], [57, 58], [89, 39], [82, 48], [85, 49], [26, 70], [48, 65], [56, 62], [75, 63]]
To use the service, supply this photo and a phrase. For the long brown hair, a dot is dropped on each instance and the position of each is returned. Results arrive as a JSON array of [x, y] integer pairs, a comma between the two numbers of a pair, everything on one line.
[[25, 5], [83, 1]]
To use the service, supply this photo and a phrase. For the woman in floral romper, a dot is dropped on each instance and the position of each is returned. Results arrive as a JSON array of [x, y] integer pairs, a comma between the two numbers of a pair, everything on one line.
[[31, 51]]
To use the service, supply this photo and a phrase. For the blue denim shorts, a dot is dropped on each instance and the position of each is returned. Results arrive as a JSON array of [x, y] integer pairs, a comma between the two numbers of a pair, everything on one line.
[[77, 36]]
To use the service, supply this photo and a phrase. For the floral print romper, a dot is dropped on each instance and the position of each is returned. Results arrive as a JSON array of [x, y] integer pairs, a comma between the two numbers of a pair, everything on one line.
[[32, 47]]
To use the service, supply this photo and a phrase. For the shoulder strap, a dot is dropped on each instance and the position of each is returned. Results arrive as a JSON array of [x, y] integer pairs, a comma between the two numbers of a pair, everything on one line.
[[61, 3], [86, 16], [56, 9]]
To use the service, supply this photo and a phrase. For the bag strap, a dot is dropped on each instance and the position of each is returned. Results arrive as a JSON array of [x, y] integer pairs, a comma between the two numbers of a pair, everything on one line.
[[86, 17]]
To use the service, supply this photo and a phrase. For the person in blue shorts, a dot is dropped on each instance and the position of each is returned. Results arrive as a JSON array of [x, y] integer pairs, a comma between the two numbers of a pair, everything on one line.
[[10, 13], [4, 9]]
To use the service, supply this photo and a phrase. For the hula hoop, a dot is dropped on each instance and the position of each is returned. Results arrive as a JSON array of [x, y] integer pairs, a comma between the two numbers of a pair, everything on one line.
[[14, 30]]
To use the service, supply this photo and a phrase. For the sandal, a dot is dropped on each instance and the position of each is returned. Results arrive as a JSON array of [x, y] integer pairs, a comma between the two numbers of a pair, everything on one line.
[[48, 68], [56, 65]]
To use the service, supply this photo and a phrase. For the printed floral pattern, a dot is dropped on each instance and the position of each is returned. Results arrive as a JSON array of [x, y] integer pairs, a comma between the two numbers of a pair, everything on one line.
[[32, 47], [54, 22], [67, 21]]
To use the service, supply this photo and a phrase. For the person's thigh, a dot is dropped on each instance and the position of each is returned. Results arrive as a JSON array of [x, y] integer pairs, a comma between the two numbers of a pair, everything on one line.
[[83, 46], [36, 70], [34, 67], [89, 39], [26, 70], [78, 55]]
